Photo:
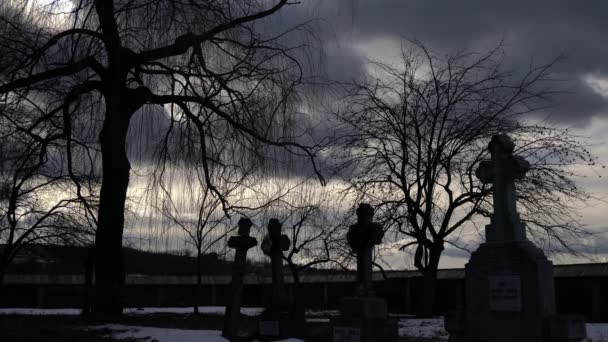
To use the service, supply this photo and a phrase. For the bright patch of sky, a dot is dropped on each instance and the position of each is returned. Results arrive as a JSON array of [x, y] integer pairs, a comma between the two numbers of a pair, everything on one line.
[[598, 84], [53, 14]]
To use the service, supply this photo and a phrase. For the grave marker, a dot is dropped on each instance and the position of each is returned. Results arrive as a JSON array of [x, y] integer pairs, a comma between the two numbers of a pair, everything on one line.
[[364, 318], [508, 280], [241, 244], [274, 322]]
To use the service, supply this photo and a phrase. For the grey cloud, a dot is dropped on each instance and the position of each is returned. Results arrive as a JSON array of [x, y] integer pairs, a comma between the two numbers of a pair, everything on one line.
[[532, 31]]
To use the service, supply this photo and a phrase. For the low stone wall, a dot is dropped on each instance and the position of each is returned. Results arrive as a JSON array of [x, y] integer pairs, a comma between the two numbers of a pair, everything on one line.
[[577, 292]]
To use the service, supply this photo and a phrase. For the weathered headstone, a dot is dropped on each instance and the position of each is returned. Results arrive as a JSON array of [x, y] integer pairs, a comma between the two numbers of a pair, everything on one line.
[[508, 280], [363, 318], [274, 322], [241, 244]]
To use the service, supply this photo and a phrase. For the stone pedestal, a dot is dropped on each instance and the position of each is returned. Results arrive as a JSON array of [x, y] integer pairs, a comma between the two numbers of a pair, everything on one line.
[[510, 297], [509, 291], [363, 319], [274, 325]]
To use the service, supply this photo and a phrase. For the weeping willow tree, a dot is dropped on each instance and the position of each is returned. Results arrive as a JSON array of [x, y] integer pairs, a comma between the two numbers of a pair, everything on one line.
[[195, 201], [208, 60]]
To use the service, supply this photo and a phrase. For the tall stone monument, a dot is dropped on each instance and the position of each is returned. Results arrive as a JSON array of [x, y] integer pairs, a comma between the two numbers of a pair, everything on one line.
[[508, 280], [363, 318], [241, 244], [274, 322]]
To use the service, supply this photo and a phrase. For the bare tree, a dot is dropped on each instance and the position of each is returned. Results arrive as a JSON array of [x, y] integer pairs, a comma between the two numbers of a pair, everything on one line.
[[37, 203], [185, 200], [195, 56], [416, 133], [314, 225]]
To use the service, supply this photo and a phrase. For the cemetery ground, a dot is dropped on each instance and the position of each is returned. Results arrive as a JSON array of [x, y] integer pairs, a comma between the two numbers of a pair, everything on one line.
[[179, 325], [169, 325]]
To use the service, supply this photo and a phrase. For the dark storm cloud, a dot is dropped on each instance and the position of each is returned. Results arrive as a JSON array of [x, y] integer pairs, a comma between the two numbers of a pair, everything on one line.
[[537, 31]]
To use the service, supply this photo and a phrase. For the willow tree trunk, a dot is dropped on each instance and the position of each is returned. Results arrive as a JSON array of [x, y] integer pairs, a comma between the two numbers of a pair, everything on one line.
[[109, 268]]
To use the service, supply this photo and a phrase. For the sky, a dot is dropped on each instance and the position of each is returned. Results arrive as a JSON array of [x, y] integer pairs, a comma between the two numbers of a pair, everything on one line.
[[350, 33], [354, 32]]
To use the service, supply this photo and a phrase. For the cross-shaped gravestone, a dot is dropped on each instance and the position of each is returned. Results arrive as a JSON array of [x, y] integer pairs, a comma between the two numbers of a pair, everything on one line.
[[502, 171], [362, 237], [240, 243], [273, 245]]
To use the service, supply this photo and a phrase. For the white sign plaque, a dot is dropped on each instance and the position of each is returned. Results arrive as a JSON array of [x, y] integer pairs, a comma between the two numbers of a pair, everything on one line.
[[505, 293], [347, 334], [269, 328]]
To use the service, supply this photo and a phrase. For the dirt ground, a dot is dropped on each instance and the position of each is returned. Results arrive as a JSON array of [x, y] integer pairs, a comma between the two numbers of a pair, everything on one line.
[[23, 328]]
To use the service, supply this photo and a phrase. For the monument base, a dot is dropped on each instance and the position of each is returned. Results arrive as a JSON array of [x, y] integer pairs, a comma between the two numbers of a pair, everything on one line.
[[273, 325], [510, 297], [363, 319]]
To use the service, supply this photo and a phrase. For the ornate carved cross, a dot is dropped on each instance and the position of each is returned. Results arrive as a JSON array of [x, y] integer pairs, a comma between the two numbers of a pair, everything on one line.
[[502, 171], [362, 237]]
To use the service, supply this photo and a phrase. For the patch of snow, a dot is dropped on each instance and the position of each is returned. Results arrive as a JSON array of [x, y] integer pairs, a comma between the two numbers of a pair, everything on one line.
[[41, 312], [317, 320], [322, 312], [119, 331], [210, 310], [433, 328], [423, 327], [597, 332]]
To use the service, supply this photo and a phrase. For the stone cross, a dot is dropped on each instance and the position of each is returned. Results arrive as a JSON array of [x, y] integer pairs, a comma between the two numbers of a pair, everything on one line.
[[240, 243], [502, 171], [273, 245], [362, 237]]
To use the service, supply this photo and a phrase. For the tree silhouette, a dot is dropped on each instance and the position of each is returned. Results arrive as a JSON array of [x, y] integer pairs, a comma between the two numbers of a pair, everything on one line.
[[37, 202], [413, 137], [206, 60]]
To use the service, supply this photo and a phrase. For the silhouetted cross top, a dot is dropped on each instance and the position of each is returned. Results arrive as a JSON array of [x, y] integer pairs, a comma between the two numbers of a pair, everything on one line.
[[502, 171], [273, 245], [362, 237], [242, 242]]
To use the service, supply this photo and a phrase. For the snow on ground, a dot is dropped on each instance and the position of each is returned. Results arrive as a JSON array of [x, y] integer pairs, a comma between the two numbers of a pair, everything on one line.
[[211, 310], [41, 312], [433, 328], [317, 320], [411, 327], [427, 327], [597, 332], [120, 331], [322, 313]]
